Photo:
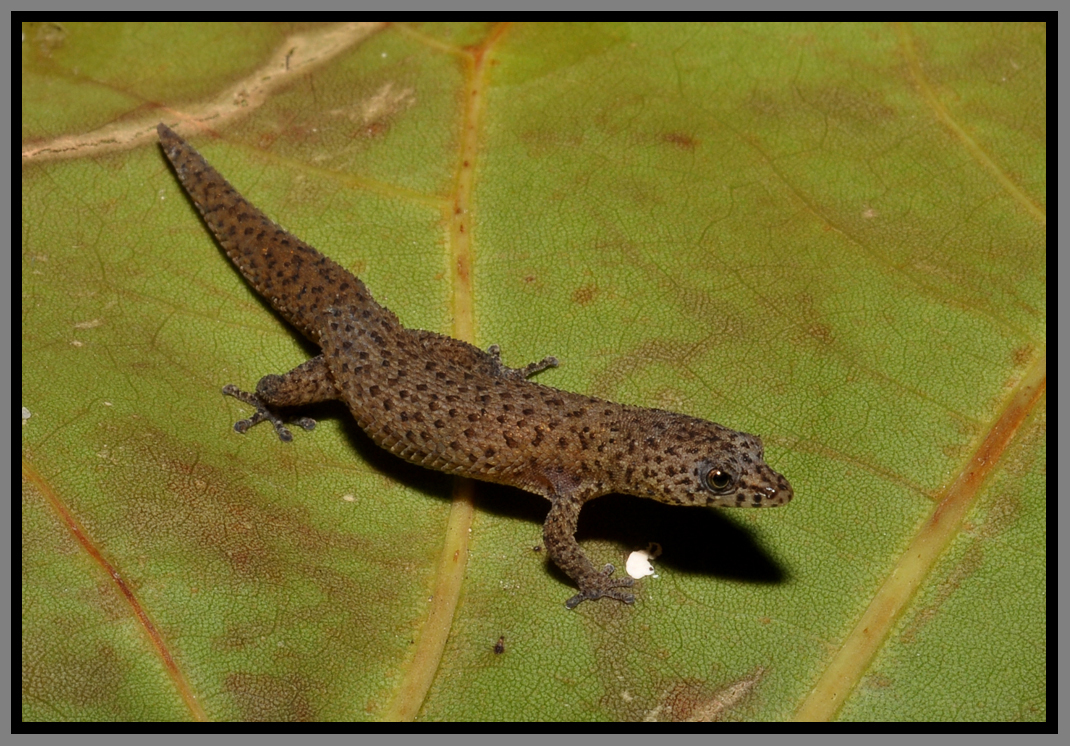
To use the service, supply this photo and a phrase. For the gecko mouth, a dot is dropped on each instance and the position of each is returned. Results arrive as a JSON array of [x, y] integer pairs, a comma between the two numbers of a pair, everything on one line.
[[775, 492]]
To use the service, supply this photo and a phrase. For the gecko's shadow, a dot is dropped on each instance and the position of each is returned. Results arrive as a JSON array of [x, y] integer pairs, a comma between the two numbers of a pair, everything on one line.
[[702, 541]]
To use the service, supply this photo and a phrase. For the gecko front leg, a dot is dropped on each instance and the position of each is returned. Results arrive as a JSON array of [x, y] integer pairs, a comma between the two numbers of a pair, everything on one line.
[[521, 373], [559, 533]]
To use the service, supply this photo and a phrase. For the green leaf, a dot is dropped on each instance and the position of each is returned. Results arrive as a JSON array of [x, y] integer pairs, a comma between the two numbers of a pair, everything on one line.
[[830, 235]]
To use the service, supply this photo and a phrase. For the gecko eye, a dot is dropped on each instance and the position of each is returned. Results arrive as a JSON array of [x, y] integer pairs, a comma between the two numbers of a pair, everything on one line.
[[717, 481]]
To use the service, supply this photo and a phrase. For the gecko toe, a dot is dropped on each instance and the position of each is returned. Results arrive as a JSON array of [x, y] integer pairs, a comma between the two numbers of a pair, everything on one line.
[[305, 423]]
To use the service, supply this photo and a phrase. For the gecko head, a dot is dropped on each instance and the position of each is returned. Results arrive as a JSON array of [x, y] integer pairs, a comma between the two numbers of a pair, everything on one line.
[[739, 477], [687, 461]]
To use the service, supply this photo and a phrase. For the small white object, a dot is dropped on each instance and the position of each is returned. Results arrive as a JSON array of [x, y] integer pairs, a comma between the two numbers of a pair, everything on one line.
[[639, 562]]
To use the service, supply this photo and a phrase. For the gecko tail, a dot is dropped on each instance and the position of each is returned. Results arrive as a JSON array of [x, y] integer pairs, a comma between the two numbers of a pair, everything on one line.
[[300, 283]]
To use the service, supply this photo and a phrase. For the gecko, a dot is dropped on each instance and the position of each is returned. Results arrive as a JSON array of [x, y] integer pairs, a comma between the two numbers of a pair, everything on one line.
[[445, 404]]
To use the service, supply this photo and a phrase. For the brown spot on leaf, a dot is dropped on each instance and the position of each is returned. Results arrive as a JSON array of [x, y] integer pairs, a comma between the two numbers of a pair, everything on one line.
[[265, 697], [680, 140], [821, 332], [584, 295], [691, 701], [1022, 355]]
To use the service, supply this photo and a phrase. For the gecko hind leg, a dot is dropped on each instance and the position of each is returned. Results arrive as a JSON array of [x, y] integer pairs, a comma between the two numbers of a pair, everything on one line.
[[264, 414], [308, 383], [522, 373]]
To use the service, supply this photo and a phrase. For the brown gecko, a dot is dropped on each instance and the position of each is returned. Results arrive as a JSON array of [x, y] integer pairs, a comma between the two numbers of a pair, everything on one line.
[[447, 405]]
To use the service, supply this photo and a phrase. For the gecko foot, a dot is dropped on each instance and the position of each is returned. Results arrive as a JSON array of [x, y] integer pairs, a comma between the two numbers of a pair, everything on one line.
[[528, 370], [263, 413], [601, 585]]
